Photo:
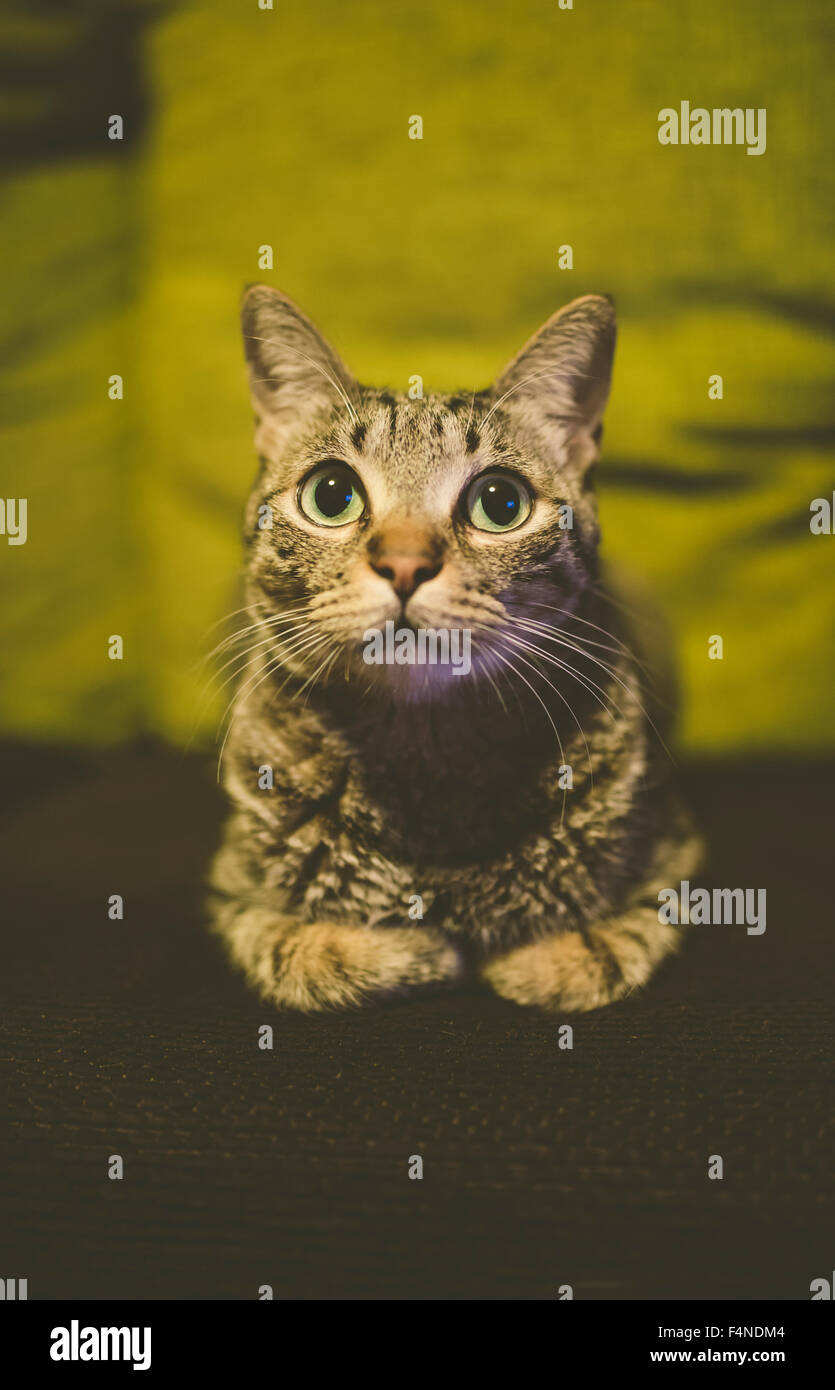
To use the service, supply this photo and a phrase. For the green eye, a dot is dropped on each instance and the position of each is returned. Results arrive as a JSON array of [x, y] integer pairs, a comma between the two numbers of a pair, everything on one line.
[[497, 502], [332, 495]]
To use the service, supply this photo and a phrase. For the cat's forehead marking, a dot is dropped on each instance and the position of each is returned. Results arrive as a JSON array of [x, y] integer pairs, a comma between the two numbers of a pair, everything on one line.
[[395, 426], [417, 456], [423, 450]]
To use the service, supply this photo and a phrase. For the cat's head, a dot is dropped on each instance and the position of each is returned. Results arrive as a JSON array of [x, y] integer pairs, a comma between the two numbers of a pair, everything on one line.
[[473, 513]]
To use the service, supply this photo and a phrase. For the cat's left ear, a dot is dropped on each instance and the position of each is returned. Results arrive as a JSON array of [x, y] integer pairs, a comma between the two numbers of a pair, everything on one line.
[[294, 374], [559, 383]]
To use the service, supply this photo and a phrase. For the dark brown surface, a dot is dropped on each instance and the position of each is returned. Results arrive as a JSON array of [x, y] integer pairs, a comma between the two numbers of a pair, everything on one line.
[[542, 1167]]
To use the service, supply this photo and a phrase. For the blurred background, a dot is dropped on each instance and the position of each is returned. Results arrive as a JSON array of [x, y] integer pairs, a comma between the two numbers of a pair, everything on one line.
[[289, 127]]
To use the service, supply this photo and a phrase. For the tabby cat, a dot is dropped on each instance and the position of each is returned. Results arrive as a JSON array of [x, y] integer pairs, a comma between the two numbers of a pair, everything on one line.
[[401, 826]]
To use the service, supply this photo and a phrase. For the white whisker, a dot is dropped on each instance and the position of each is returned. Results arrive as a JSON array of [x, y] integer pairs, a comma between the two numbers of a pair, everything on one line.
[[538, 697]]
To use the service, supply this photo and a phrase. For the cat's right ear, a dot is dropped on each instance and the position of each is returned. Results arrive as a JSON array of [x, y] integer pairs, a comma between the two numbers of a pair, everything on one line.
[[559, 383], [294, 374]]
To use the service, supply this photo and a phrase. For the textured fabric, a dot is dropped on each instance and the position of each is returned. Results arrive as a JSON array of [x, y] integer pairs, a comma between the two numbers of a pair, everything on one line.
[[542, 1167]]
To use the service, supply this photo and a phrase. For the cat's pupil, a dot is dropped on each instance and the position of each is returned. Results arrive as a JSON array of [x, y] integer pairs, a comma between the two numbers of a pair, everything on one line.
[[500, 501], [333, 494]]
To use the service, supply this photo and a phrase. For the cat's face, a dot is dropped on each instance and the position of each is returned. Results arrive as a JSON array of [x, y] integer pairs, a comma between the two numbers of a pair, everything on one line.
[[467, 514]]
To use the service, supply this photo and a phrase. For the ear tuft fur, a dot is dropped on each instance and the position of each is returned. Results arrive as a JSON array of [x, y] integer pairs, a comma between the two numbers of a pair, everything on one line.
[[294, 374], [563, 372]]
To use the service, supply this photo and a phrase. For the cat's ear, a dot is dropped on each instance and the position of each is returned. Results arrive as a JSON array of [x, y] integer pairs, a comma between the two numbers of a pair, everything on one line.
[[293, 373], [559, 382]]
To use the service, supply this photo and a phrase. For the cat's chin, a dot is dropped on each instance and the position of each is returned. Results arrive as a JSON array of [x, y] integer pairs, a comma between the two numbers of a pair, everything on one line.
[[413, 683], [416, 664]]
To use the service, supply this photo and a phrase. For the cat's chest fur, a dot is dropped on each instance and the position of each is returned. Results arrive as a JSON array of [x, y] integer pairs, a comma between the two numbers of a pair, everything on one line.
[[471, 829]]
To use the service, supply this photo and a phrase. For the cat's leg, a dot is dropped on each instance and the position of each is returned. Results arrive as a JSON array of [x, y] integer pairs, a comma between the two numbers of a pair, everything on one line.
[[574, 971], [323, 965]]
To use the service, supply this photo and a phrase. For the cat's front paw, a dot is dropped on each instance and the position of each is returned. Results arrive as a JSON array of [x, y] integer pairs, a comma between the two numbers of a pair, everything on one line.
[[577, 971], [324, 965]]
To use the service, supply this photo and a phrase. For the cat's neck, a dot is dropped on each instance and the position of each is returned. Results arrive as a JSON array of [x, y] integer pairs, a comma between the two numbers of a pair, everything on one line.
[[481, 753], [482, 758]]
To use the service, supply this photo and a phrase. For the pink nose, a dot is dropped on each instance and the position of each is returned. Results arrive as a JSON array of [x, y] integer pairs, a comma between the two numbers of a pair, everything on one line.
[[405, 572]]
